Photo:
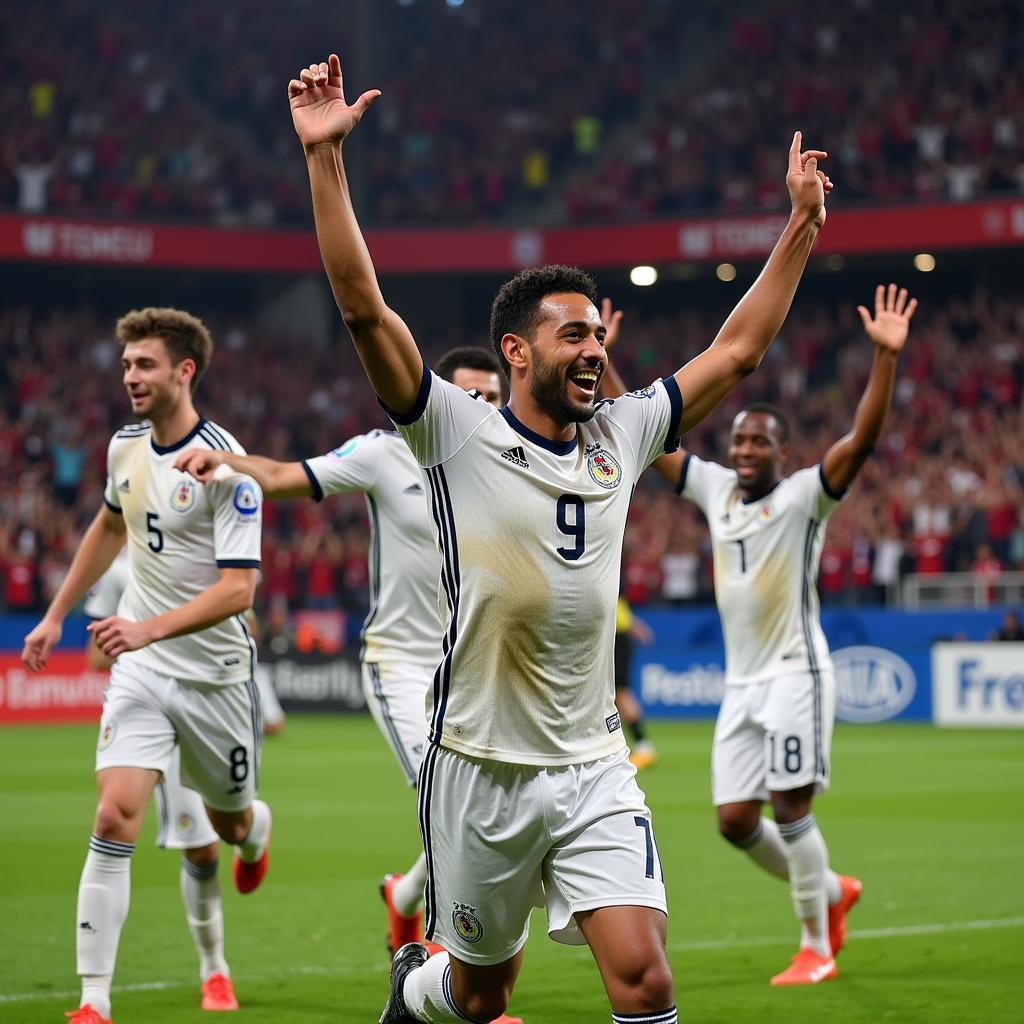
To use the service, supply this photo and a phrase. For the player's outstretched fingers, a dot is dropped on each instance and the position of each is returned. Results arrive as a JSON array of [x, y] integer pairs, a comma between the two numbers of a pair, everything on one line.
[[865, 317], [879, 300], [334, 70]]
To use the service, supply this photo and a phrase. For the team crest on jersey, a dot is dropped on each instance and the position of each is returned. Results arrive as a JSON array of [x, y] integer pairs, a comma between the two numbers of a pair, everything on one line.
[[346, 449], [107, 734], [466, 923], [186, 824], [647, 392], [245, 501], [766, 513], [603, 468], [183, 497]]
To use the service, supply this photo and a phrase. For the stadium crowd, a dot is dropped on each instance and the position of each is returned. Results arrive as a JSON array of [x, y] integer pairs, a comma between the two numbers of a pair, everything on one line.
[[944, 492], [503, 109]]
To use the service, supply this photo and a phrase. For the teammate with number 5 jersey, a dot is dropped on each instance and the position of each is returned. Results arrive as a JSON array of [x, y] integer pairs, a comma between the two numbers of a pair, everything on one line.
[[773, 735], [183, 668]]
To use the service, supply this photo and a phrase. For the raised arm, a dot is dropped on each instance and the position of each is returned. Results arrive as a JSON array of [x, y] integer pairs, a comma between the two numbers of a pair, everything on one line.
[[753, 324], [276, 479], [888, 331], [100, 545], [612, 386], [322, 120]]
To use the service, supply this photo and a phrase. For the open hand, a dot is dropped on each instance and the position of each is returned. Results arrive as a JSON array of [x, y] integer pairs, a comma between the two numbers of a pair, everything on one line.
[[114, 636], [319, 111], [891, 323], [807, 185], [200, 463], [39, 643], [612, 320]]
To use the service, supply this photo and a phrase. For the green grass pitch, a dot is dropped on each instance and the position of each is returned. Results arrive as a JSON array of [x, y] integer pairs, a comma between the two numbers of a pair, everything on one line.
[[932, 821]]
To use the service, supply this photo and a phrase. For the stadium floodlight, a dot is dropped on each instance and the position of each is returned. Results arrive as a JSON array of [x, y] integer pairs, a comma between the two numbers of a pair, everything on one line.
[[725, 272], [924, 261], [643, 276]]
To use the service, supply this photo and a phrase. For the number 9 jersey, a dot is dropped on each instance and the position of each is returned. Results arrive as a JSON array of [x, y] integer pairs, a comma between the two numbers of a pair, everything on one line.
[[180, 533], [530, 532]]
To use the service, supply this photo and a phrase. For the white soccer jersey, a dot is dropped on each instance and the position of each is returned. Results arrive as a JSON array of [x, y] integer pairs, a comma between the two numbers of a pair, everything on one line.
[[179, 534], [766, 568], [404, 623], [105, 594], [530, 533]]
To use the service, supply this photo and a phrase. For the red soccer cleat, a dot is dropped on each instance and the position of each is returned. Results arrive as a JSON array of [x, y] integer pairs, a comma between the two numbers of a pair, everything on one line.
[[402, 929], [807, 968], [86, 1015], [247, 876], [219, 993], [851, 889]]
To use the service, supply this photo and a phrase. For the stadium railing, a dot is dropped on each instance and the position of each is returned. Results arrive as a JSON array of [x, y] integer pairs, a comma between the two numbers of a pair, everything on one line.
[[961, 590]]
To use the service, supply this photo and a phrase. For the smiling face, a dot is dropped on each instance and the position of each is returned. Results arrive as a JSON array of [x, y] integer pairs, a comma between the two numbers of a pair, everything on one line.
[[756, 452], [565, 360], [155, 385]]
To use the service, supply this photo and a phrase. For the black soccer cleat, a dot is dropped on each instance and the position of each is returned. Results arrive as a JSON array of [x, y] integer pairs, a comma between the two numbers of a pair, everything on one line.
[[408, 958]]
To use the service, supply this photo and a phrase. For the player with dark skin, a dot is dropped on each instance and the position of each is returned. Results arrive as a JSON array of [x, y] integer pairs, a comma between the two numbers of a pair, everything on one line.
[[758, 452]]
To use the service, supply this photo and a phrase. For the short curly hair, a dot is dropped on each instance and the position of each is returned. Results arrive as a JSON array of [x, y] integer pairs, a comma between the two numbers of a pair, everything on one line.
[[184, 335], [516, 307]]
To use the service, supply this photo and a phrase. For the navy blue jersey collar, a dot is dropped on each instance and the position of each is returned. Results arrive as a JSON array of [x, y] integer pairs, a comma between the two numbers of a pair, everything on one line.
[[558, 447], [162, 450]]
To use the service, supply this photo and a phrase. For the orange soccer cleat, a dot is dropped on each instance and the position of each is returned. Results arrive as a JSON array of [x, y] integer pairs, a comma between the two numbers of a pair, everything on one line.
[[219, 993], [86, 1015], [402, 928], [851, 890], [807, 968]]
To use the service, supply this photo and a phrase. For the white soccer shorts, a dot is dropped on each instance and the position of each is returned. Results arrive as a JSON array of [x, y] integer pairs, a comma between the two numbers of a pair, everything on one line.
[[217, 727], [773, 736], [396, 695], [503, 838], [182, 823]]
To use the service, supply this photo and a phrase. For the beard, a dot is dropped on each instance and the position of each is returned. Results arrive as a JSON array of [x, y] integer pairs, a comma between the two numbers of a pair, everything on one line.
[[549, 390]]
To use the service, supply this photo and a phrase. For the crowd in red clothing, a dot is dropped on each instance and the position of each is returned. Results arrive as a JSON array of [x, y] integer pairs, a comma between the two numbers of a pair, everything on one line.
[[943, 491], [527, 112]]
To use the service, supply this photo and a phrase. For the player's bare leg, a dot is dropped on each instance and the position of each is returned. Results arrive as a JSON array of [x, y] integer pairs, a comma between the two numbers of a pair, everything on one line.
[[249, 831], [105, 886], [628, 944], [200, 892]]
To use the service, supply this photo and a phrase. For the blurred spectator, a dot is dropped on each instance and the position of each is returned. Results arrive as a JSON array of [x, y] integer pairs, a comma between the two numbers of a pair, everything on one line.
[[1011, 630]]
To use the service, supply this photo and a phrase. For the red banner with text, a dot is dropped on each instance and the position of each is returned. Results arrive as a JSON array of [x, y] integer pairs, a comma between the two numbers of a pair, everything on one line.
[[848, 232], [67, 690]]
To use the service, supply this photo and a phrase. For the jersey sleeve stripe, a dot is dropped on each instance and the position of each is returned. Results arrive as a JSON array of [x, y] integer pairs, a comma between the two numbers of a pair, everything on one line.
[[211, 439], [113, 508], [675, 414], [681, 486], [218, 433], [407, 419], [834, 495], [318, 491], [238, 563]]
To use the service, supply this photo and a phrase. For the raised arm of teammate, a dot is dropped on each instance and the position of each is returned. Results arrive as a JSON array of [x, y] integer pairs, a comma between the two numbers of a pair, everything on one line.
[[99, 547], [612, 386], [888, 330], [746, 334], [276, 479], [322, 120]]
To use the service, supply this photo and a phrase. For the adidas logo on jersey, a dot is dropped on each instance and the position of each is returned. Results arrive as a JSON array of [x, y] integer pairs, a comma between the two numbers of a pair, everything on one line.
[[517, 456], [413, 489], [124, 487]]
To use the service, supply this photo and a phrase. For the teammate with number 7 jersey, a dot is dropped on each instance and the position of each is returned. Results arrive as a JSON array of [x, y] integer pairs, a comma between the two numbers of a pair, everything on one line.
[[526, 793]]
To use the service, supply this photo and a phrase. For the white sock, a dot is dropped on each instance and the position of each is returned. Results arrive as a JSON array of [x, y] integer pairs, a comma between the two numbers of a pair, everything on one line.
[[103, 895], [428, 993], [251, 848], [407, 893], [200, 891], [765, 847], [808, 862]]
